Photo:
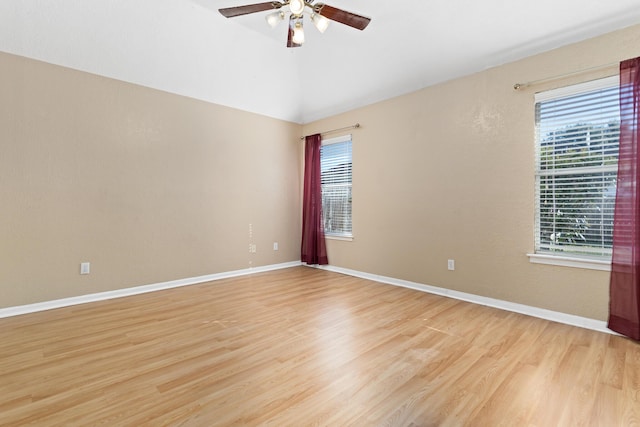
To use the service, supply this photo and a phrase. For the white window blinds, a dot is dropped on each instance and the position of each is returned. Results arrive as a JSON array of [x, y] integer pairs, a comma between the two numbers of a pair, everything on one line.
[[336, 173], [577, 133]]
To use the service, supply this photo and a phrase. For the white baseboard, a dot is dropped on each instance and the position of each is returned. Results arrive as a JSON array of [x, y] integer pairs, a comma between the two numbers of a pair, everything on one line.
[[555, 316], [101, 296]]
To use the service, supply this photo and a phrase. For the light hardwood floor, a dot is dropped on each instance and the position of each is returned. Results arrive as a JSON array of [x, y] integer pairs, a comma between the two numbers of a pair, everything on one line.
[[301, 347]]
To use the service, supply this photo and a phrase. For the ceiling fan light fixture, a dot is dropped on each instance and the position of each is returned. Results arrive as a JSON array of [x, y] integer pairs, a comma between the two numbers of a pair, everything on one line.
[[320, 22], [274, 18], [298, 33], [296, 7], [320, 15]]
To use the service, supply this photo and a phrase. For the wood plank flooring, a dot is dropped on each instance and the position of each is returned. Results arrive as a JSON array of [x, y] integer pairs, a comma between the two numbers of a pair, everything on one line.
[[300, 347]]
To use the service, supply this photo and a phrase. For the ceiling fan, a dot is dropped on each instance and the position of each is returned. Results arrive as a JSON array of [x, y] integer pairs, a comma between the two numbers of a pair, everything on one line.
[[320, 15]]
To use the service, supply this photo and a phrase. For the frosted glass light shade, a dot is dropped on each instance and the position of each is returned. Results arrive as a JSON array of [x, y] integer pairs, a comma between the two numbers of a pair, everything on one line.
[[274, 18], [298, 33], [320, 22]]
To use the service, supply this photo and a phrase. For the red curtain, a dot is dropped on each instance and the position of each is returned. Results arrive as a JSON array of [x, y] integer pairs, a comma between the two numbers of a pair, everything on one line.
[[313, 249], [624, 304]]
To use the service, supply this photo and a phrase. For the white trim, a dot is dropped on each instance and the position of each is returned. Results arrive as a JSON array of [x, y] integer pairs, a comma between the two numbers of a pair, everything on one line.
[[339, 237], [336, 139], [565, 261], [561, 92], [554, 316], [101, 296]]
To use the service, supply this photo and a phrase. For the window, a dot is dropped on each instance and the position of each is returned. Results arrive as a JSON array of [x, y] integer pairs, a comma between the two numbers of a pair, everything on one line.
[[335, 165], [577, 133]]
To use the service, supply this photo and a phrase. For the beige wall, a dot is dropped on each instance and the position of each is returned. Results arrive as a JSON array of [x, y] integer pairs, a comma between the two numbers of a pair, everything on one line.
[[145, 185], [447, 172], [151, 187]]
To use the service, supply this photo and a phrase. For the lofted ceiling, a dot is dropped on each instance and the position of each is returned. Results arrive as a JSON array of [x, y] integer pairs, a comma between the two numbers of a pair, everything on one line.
[[186, 47]]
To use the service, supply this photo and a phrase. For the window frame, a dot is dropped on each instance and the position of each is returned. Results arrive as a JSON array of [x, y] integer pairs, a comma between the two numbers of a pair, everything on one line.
[[336, 140], [600, 262]]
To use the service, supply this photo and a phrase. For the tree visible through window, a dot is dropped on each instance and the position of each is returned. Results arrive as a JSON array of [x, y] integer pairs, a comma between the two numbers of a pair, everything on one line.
[[577, 139], [336, 173]]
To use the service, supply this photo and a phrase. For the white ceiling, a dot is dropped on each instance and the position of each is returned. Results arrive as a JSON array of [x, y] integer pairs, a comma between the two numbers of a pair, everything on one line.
[[186, 47]]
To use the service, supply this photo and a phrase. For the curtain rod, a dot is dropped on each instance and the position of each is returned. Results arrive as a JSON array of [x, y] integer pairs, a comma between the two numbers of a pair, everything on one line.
[[518, 86], [356, 126]]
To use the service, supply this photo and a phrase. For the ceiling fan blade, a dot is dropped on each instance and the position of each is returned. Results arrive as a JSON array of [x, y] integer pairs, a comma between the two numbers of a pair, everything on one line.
[[347, 18], [292, 24], [230, 12]]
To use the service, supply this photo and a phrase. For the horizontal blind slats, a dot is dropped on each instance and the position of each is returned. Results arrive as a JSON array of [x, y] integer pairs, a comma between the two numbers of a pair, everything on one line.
[[576, 168], [336, 179]]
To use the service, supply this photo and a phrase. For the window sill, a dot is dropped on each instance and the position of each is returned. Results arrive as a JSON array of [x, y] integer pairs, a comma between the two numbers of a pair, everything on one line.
[[564, 261], [337, 237]]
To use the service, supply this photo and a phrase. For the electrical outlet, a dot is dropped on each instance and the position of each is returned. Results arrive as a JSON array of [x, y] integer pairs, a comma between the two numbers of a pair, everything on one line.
[[85, 268], [451, 264], [252, 248], [275, 246]]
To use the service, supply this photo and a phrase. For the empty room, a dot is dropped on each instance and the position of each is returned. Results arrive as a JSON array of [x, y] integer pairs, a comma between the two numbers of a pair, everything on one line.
[[291, 213]]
